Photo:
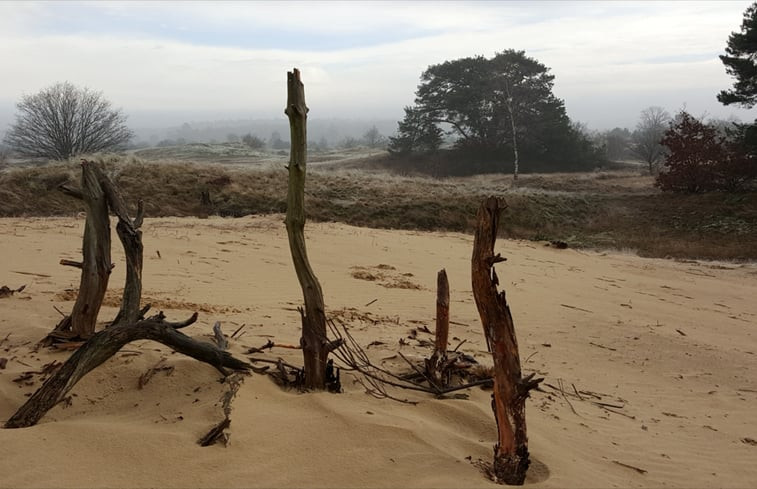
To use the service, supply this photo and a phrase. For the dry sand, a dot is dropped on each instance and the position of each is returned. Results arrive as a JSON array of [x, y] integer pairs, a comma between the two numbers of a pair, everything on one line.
[[673, 343]]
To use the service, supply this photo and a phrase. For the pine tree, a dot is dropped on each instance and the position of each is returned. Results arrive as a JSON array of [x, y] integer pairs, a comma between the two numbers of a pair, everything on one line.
[[741, 62]]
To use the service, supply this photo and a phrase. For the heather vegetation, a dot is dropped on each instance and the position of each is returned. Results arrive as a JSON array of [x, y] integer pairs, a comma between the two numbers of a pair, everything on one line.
[[603, 210]]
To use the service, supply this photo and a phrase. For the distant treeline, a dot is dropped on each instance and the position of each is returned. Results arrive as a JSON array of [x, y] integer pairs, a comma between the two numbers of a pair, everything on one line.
[[328, 132]]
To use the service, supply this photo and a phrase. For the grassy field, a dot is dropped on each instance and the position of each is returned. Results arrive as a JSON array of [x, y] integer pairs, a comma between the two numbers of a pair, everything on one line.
[[604, 210]]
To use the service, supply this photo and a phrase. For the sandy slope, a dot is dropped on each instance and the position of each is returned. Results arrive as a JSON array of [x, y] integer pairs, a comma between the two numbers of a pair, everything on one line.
[[674, 343]]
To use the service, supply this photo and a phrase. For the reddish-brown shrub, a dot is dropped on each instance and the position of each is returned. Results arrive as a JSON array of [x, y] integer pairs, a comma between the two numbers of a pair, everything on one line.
[[699, 160]]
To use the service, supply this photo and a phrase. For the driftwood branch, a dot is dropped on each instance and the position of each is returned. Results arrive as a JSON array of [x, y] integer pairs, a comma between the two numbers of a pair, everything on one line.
[[72, 263], [104, 345], [511, 458]]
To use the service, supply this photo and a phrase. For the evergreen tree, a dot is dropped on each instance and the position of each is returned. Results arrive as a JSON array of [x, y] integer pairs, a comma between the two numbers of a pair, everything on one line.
[[416, 133], [500, 109], [741, 62]]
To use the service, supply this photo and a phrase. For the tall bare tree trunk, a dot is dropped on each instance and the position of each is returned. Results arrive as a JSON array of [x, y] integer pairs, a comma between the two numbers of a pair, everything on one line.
[[96, 264], [516, 162], [511, 459], [315, 347]]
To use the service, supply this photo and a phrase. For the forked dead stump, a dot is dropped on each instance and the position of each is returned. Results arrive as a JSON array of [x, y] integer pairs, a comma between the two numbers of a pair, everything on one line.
[[101, 194], [436, 365], [104, 345], [315, 345], [511, 458]]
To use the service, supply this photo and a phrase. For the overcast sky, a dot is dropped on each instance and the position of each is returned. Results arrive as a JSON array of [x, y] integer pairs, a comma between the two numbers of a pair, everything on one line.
[[166, 63]]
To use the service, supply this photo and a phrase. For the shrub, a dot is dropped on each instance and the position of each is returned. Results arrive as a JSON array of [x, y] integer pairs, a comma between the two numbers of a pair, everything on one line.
[[700, 160], [253, 141]]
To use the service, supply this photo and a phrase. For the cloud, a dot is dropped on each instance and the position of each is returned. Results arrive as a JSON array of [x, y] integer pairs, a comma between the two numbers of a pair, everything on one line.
[[362, 59]]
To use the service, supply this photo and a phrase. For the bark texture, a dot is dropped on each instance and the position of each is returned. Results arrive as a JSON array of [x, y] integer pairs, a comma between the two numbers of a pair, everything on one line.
[[130, 234], [315, 346], [436, 364], [511, 458], [96, 263], [104, 345]]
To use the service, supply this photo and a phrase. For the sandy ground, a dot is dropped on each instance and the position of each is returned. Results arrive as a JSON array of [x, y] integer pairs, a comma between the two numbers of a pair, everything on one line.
[[663, 355]]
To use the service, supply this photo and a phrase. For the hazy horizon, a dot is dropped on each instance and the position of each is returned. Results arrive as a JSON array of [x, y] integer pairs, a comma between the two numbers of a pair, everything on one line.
[[169, 63]]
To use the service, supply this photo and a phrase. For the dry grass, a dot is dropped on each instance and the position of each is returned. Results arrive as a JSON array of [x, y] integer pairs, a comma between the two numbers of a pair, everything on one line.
[[614, 210]]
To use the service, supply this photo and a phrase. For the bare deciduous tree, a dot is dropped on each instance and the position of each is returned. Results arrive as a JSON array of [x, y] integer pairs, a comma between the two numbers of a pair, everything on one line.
[[63, 120], [646, 138], [373, 138]]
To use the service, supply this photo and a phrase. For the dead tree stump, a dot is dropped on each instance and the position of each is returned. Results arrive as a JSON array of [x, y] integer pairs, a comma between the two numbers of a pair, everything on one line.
[[315, 345], [100, 195], [436, 365], [511, 458]]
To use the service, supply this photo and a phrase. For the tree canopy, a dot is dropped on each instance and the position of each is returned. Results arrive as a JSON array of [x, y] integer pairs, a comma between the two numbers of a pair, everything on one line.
[[417, 133], [500, 107], [63, 120], [740, 62]]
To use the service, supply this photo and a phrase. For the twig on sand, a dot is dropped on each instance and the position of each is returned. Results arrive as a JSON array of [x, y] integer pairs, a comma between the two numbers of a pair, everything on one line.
[[577, 308], [602, 346], [637, 469]]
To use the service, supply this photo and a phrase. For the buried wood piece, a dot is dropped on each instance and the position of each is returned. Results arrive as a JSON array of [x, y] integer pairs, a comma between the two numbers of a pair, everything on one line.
[[436, 365], [511, 458], [6, 291], [104, 345], [219, 337], [315, 345], [233, 382]]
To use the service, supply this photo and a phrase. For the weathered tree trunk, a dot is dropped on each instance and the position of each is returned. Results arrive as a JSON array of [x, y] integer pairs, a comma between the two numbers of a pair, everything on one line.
[[315, 346], [511, 459], [435, 365], [131, 238], [104, 345], [96, 264]]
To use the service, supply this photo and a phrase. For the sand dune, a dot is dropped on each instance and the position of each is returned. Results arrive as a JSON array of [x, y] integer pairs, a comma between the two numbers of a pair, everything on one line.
[[656, 360]]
